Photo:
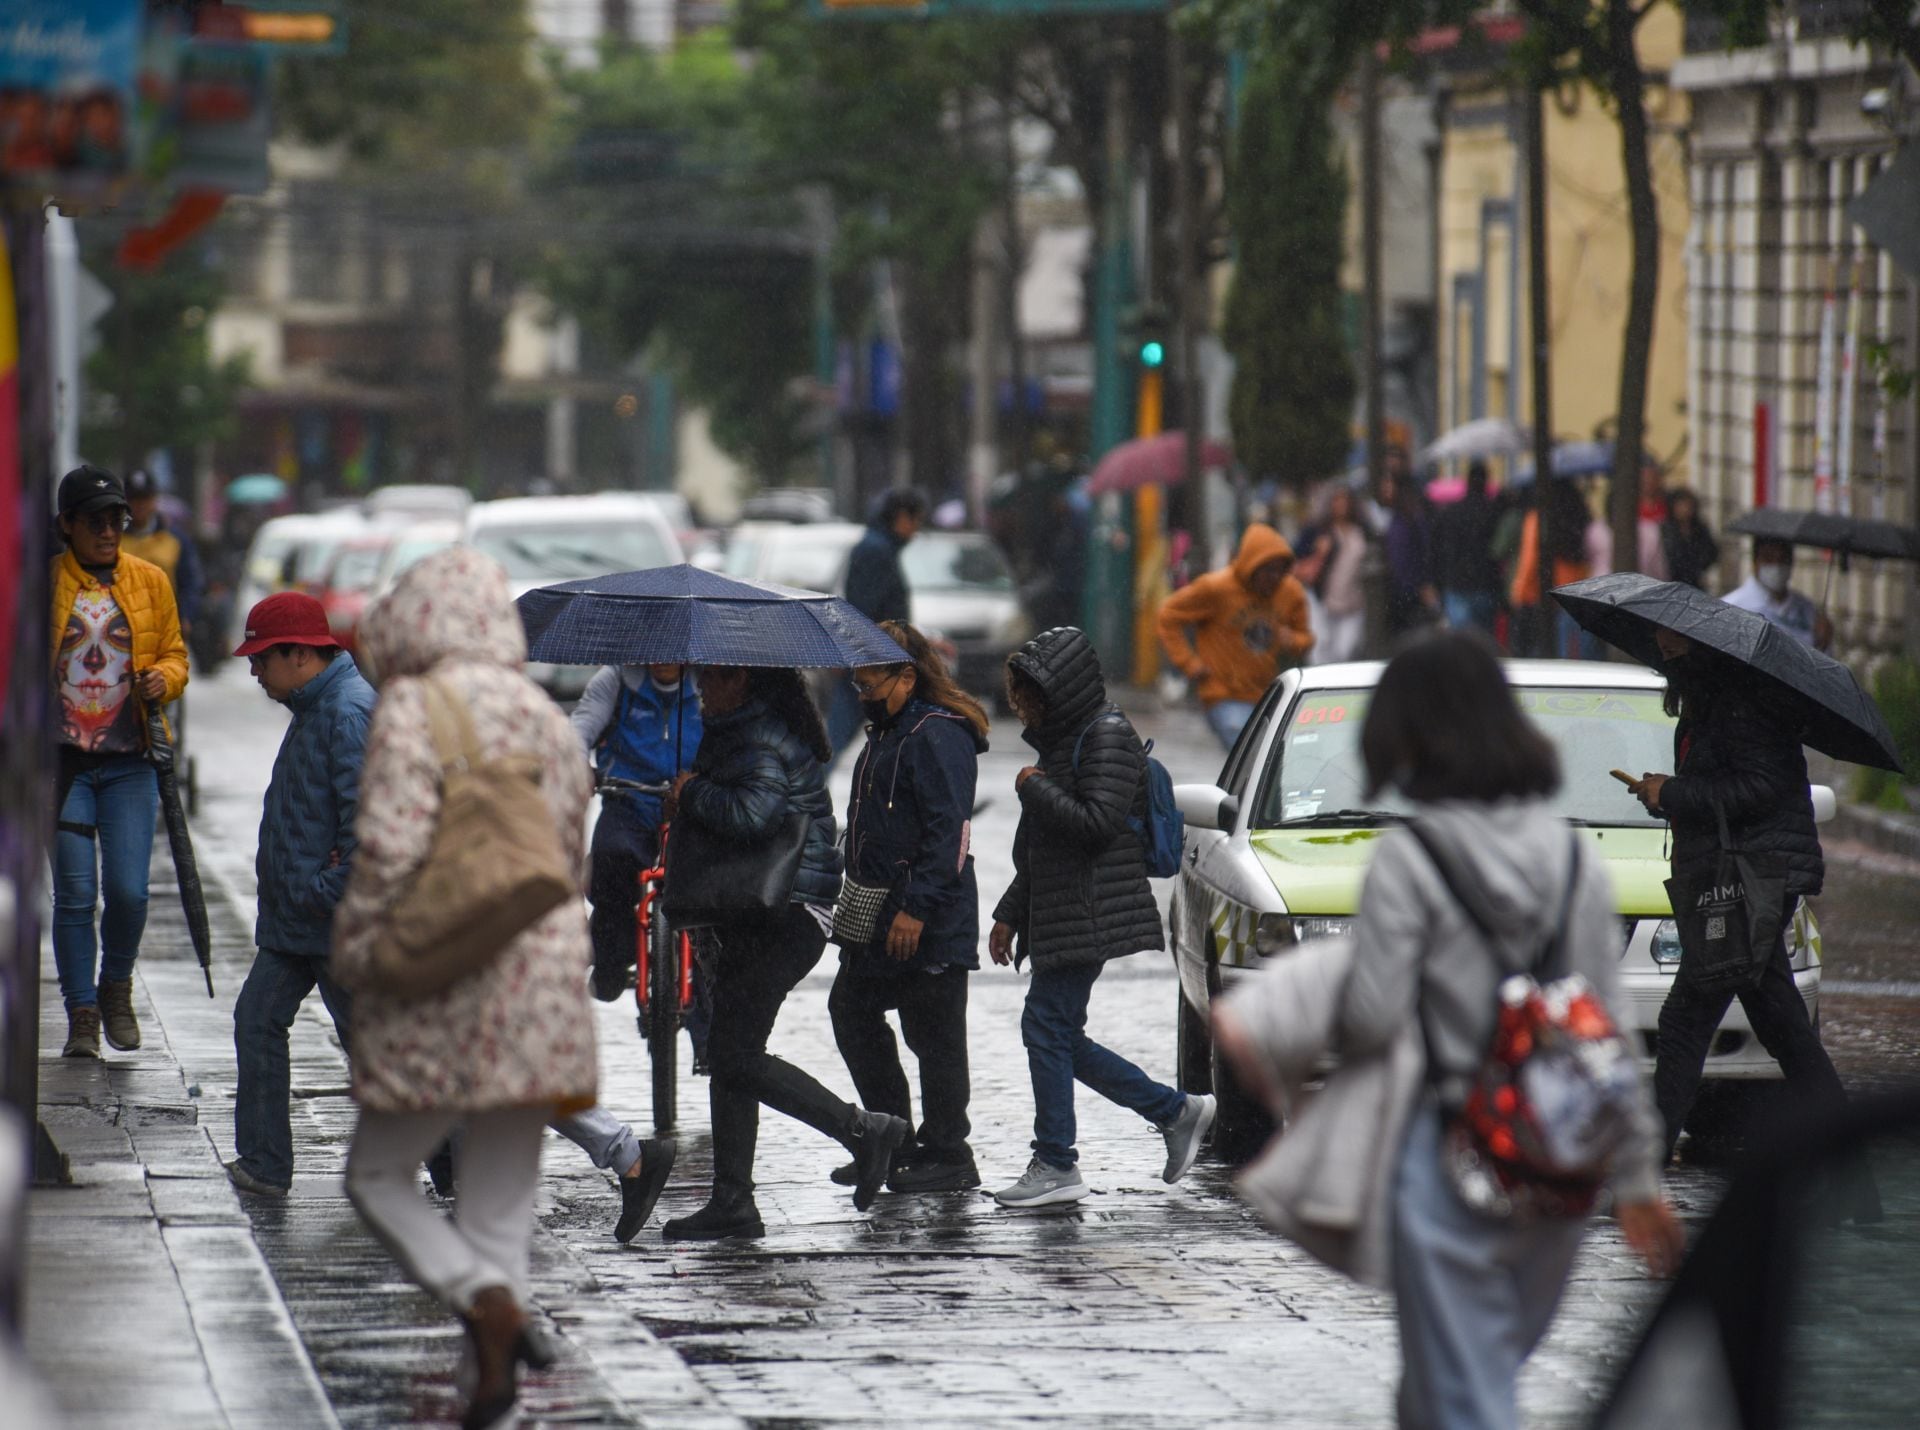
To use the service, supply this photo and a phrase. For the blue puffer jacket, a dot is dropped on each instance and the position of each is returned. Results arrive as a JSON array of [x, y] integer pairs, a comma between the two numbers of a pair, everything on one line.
[[909, 827], [750, 771], [306, 826]]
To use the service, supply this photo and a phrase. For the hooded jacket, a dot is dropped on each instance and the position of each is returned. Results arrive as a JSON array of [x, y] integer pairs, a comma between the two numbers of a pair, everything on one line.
[[1743, 750], [1418, 957], [910, 829], [750, 770], [1080, 893], [518, 1032], [306, 823], [1242, 641]]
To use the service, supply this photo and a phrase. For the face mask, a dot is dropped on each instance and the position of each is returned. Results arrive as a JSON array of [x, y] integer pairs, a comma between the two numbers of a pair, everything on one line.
[[1773, 578], [874, 710]]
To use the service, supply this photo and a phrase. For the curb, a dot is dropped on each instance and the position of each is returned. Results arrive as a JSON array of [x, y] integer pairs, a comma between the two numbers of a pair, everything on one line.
[[1889, 833]]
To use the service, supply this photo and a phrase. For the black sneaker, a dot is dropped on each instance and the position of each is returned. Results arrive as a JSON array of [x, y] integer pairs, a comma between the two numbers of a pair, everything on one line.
[[716, 1221], [610, 981], [876, 1137], [638, 1194], [935, 1177]]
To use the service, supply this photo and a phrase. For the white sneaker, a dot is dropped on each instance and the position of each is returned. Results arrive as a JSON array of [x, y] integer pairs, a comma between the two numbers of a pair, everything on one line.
[[1185, 1134], [1041, 1185]]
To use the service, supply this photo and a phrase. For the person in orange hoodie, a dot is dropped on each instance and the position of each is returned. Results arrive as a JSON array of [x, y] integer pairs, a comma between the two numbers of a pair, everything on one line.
[[1247, 623]]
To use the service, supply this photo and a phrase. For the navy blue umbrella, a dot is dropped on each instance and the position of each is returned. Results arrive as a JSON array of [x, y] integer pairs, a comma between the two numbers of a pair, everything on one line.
[[688, 615]]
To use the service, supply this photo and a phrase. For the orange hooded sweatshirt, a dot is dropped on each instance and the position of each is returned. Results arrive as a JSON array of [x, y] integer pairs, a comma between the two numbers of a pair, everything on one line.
[[1240, 641]]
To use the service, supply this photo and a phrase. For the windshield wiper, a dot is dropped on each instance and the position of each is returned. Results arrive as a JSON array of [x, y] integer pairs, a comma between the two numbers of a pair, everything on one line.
[[1355, 818]]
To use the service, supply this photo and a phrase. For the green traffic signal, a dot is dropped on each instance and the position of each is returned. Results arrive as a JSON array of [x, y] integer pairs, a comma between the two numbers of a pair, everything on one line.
[[1152, 353]]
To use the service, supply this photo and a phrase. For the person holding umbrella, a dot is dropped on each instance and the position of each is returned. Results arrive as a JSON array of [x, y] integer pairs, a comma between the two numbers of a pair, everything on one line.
[[117, 652], [1769, 592], [1747, 698], [306, 853]]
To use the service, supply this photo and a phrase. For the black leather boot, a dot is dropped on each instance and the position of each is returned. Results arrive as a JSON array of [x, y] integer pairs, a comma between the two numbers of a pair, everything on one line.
[[725, 1215]]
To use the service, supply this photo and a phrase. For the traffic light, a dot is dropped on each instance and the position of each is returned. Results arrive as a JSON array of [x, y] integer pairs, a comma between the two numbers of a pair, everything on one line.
[[1153, 353]]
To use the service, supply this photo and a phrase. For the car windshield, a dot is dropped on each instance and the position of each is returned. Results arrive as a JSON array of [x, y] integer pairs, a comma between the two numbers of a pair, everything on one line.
[[1320, 777], [411, 549], [356, 568], [935, 561], [561, 553]]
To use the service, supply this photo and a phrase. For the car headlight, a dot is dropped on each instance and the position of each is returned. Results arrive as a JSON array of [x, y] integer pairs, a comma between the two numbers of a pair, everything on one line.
[[1276, 933], [1666, 942], [1321, 926]]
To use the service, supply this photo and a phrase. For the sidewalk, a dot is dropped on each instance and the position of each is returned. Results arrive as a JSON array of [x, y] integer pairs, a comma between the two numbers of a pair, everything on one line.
[[158, 1296]]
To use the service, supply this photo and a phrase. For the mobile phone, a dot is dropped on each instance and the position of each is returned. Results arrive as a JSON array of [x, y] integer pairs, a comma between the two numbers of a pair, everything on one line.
[[1622, 776]]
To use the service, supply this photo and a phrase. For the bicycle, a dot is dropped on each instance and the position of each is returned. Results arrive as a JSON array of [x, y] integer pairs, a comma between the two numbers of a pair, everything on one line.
[[663, 969]]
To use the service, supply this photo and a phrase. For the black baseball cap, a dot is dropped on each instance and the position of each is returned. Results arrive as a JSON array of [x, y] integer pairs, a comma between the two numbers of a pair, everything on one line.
[[88, 488], [142, 483]]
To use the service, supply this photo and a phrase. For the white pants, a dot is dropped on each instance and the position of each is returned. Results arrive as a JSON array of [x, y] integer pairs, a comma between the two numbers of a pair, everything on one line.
[[1340, 638], [497, 1167]]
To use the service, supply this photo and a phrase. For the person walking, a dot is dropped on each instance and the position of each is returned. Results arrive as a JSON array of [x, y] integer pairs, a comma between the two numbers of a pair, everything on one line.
[[1231, 632], [116, 652], [1769, 592], [1079, 897], [503, 1049], [876, 586], [1737, 754], [1474, 1294], [305, 855], [762, 757], [909, 832], [1463, 562], [152, 538], [1342, 540], [1687, 542], [1566, 546], [1412, 599]]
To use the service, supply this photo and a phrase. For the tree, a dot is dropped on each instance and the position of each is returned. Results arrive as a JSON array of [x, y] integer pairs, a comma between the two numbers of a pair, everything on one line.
[[152, 383], [1291, 405]]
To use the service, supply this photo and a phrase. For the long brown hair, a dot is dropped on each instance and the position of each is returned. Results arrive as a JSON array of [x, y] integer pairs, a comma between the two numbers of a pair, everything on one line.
[[932, 681]]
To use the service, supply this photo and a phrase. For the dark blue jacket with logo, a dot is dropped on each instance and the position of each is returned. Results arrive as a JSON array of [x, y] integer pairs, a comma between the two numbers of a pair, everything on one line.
[[306, 826], [909, 828]]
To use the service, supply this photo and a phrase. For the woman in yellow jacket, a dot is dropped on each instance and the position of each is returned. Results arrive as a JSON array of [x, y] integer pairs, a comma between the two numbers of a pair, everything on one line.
[[117, 651]]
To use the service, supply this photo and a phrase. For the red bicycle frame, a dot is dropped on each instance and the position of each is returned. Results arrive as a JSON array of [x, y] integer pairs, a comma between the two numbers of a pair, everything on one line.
[[651, 882]]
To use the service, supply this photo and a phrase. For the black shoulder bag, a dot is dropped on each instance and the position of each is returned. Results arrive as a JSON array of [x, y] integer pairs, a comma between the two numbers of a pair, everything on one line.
[[1730, 906], [715, 880]]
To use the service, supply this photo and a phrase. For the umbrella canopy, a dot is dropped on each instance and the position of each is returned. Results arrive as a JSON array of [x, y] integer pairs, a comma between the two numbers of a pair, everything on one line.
[[1573, 459], [1482, 437], [1848, 535], [686, 615], [257, 489], [1152, 461], [1625, 609]]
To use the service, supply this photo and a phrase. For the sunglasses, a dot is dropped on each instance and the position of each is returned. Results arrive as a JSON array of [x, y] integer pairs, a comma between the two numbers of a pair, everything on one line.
[[869, 692], [113, 518]]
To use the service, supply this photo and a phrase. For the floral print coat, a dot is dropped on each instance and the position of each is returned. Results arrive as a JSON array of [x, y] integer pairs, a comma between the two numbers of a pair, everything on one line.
[[519, 1033]]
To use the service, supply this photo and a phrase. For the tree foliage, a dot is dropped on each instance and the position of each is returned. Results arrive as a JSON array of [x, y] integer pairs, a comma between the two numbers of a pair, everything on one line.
[[1291, 405]]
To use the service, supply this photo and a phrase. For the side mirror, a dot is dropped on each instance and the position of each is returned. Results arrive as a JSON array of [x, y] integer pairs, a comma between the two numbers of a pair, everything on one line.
[[1206, 806], [1825, 805]]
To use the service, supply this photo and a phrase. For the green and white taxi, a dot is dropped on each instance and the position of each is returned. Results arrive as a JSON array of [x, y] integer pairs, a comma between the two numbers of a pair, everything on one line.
[[1276, 851]]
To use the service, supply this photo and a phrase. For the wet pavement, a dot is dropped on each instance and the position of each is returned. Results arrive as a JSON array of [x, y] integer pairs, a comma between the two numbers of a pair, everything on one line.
[[1143, 1303]]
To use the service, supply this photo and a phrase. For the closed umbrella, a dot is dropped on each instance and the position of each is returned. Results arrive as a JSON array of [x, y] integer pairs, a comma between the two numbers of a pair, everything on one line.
[[186, 868], [682, 614], [1626, 608]]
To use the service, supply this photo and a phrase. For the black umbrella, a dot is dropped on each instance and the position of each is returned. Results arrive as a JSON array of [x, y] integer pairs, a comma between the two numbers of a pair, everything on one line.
[[1848, 535], [1625, 610], [186, 868]]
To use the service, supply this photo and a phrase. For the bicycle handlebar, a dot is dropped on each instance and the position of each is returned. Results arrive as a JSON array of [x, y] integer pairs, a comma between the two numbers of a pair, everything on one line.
[[613, 783]]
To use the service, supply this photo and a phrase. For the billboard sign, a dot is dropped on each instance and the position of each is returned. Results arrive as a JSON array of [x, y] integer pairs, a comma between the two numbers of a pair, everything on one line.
[[67, 91]]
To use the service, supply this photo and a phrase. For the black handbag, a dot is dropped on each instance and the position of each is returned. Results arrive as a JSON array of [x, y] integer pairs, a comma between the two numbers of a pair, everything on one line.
[[715, 880], [1730, 906]]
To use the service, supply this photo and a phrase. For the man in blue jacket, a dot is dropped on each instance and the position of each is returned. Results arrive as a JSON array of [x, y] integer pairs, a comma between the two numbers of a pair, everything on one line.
[[306, 847], [876, 586]]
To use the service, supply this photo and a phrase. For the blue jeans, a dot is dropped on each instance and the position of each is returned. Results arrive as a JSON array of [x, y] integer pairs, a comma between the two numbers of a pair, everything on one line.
[[1054, 1029], [1469, 610], [117, 805], [1227, 718], [269, 1001], [1572, 641]]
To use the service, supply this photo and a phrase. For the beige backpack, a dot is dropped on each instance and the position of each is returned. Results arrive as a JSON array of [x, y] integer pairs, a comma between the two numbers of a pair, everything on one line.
[[494, 869]]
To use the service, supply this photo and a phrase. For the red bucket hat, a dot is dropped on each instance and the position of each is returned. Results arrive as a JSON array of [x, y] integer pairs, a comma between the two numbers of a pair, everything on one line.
[[286, 618]]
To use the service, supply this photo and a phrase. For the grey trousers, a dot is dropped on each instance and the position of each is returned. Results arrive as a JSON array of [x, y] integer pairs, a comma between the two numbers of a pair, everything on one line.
[[1474, 1296], [609, 1143]]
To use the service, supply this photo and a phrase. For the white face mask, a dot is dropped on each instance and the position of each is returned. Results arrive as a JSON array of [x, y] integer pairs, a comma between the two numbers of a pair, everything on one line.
[[1774, 578]]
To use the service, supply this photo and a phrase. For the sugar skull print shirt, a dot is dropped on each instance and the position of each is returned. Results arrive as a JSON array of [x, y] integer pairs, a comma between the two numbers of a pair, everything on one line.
[[97, 710]]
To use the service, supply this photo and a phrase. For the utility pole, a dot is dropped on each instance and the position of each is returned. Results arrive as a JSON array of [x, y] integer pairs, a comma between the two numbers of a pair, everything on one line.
[[1107, 600], [1188, 297], [983, 446], [1372, 325], [1541, 333]]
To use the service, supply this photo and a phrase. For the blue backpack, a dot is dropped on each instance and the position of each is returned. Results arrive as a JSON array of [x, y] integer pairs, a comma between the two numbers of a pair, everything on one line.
[[1164, 830]]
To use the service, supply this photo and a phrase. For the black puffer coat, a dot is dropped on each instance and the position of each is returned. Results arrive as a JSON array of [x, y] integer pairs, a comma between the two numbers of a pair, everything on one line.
[[750, 770], [1743, 749], [1080, 893]]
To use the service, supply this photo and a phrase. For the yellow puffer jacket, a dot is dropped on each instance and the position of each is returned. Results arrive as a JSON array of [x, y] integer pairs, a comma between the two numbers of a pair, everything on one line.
[[146, 595]]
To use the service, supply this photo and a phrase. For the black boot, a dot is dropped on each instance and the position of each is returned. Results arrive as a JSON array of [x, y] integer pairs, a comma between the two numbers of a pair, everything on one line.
[[726, 1214], [926, 1175], [639, 1193], [873, 1139]]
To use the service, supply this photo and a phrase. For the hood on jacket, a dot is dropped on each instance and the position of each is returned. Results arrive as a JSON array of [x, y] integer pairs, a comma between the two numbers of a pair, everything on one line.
[[1517, 852], [452, 605], [1259, 545], [1063, 663]]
